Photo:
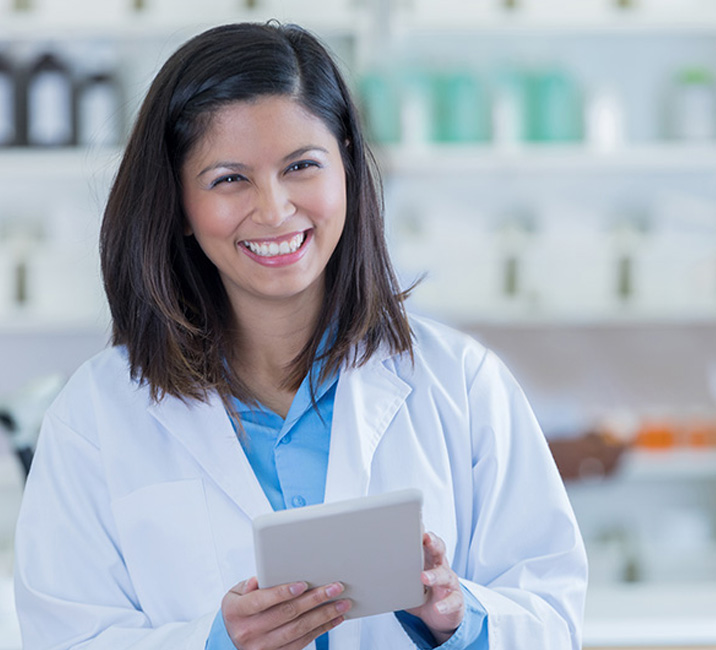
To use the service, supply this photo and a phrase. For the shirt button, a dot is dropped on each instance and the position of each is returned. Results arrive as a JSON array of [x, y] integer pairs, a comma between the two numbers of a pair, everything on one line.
[[286, 439], [298, 501]]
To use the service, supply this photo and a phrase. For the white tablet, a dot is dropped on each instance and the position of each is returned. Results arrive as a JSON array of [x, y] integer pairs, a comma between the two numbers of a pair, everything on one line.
[[373, 545]]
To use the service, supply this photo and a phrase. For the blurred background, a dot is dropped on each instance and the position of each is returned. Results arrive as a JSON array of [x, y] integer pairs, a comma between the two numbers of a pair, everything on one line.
[[550, 174]]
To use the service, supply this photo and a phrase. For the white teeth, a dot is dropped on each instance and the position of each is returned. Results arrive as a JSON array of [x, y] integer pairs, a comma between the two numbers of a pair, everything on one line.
[[273, 248]]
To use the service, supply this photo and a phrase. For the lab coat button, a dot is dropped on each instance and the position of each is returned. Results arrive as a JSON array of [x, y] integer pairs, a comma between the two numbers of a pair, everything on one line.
[[286, 439], [298, 501]]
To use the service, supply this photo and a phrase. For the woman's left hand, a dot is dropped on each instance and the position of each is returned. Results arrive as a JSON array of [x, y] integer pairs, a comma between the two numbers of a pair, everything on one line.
[[444, 607]]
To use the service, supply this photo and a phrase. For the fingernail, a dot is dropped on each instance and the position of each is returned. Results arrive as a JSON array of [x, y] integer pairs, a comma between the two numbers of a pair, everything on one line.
[[441, 606], [333, 590], [297, 588], [343, 605], [429, 577]]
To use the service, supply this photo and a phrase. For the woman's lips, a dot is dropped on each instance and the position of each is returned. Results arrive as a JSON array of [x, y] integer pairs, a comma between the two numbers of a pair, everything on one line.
[[277, 251]]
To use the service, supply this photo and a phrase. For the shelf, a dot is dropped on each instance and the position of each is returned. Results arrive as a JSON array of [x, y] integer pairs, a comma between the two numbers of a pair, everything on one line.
[[129, 26], [580, 21], [66, 162], [29, 325], [428, 159], [668, 464], [642, 615], [546, 320], [666, 157]]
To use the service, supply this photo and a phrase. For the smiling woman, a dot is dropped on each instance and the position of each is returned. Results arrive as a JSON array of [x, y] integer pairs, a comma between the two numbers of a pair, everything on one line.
[[263, 359], [271, 220]]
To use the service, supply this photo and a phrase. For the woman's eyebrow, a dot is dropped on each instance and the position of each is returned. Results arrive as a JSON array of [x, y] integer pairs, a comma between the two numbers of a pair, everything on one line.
[[239, 167], [304, 150]]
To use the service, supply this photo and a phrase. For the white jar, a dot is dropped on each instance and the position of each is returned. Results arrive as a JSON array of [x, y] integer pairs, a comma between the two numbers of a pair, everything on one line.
[[49, 103]]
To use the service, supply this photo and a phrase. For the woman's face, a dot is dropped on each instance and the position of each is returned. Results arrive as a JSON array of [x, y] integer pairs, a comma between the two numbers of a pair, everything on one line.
[[264, 194]]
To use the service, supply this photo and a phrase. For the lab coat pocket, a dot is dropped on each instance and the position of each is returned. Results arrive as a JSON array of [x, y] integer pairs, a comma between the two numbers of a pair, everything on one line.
[[168, 547]]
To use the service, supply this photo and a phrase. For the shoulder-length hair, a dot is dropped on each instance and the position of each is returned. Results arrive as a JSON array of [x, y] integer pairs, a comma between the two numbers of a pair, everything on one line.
[[168, 304]]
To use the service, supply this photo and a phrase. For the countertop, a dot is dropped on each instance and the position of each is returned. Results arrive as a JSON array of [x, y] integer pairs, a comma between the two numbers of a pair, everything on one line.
[[644, 615]]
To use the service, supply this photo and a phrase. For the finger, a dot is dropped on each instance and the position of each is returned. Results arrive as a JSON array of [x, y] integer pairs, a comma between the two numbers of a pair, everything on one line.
[[311, 621], [254, 600], [245, 586], [441, 577], [452, 603], [434, 550], [301, 643], [289, 610]]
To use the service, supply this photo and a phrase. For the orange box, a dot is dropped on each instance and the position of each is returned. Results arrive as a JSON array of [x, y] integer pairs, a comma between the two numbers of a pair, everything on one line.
[[656, 435]]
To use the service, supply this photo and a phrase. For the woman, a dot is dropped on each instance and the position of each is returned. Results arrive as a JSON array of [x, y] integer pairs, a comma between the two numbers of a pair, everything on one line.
[[263, 359]]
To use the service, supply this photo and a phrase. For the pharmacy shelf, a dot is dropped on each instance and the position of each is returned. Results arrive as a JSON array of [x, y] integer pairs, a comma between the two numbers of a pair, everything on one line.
[[634, 319], [546, 158], [650, 616], [29, 164], [25, 324], [677, 464], [428, 159], [579, 21], [156, 26]]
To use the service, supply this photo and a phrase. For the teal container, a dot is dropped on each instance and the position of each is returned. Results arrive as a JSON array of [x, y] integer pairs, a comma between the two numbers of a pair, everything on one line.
[[380, 105], [556, 112], [462, 108]]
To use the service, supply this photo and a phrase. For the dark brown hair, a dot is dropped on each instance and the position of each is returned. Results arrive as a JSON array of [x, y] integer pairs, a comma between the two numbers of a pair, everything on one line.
[[169, 307]]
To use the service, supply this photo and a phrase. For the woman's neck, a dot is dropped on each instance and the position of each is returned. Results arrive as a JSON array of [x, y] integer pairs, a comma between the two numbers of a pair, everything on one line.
[[269, 339]]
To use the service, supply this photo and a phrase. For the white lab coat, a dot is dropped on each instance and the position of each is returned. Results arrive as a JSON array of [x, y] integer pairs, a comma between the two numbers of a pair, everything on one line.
[[137, 515]]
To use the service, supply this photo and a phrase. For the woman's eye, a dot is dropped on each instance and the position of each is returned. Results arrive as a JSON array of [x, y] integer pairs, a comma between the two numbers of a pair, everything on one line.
[[229, 178], [303, 164]]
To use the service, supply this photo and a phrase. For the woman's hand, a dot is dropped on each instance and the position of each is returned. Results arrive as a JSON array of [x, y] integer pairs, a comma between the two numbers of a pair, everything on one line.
[[287, 616], [444, 608]]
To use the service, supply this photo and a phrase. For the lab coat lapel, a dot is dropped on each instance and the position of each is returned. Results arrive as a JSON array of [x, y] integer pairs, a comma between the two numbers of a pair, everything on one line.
[[367, 399], [205, 430]]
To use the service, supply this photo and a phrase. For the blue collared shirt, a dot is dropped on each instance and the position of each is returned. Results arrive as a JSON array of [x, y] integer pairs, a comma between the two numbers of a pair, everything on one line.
[[290, 460]]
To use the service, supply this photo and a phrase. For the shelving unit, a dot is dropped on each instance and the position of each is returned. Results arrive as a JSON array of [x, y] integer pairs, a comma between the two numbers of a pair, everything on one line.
[[556, 20], [673, 464], [666, 157]]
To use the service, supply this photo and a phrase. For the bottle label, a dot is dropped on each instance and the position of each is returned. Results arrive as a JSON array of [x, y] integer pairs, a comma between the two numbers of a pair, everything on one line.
[[7, 110], [49, 105]]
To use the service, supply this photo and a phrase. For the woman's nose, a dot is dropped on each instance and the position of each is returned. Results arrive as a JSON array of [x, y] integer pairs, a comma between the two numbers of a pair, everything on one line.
[[273, 205]]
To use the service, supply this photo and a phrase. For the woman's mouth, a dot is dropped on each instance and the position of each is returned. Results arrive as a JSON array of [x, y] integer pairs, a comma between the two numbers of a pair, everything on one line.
[[275, 247], [278, 251]]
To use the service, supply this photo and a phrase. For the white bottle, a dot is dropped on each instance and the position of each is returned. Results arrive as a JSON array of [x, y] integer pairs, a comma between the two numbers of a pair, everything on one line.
[[99, 111], [605, 120], [49, 103]]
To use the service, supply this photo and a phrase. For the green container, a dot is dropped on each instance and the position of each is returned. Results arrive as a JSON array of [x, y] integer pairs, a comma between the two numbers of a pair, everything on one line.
[[462, 108], [380, 104], [555, 108]]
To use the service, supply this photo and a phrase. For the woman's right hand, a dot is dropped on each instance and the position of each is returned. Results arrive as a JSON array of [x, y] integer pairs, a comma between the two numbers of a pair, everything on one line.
[[287, 616]]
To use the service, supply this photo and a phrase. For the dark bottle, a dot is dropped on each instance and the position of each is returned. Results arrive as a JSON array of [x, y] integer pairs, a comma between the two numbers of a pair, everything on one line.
[[8, 103], [49, 103]]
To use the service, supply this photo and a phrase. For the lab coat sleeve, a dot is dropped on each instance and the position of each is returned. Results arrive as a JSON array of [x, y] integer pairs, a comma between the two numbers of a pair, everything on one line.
[[526, 559], [72, 589]]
